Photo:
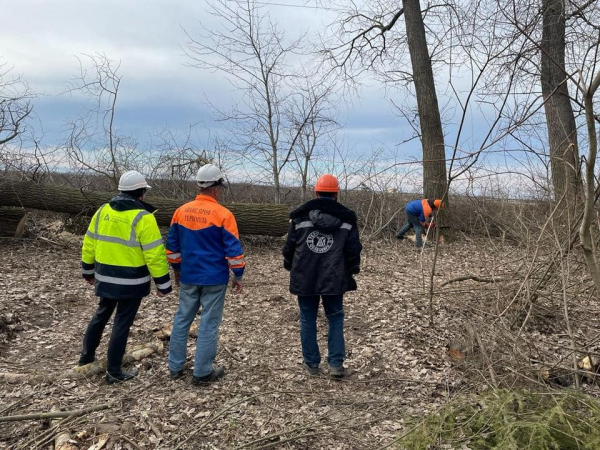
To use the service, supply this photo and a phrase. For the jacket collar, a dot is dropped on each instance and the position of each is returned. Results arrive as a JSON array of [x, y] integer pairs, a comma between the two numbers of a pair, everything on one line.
[[125, 202], [206, 198], [325, 205]]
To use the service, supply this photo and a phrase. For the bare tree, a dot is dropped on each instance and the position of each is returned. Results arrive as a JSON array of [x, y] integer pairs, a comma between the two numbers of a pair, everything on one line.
[[373, 40], [252, 52], [15, 108], [313, 114], [93, 142]]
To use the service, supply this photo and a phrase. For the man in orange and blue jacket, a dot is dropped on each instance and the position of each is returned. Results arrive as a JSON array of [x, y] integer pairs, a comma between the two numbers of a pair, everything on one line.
[[417, 217], [202, 247]]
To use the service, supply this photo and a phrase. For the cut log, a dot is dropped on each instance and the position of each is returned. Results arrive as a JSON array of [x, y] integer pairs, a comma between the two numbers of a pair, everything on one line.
[[63, 440], [261, 219], [98, 367], [12, 222], [164, 333]]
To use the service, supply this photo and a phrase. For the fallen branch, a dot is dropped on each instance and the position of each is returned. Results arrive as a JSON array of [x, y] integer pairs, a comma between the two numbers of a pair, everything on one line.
[[472, 277], [98, 367], [48, 436], [55, 414], [11, 406]]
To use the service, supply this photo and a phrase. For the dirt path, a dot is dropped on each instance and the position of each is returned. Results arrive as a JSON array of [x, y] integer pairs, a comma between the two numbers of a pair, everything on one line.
[[398, 365]]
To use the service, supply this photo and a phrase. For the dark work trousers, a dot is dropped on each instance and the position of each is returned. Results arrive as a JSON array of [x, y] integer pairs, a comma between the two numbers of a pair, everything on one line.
[[126, 311]]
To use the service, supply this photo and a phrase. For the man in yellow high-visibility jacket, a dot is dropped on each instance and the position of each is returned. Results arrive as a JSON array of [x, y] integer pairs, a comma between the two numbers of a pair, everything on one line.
[[122, 250]]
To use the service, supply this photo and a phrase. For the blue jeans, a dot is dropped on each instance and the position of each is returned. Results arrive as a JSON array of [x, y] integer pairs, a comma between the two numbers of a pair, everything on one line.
[[412, 222], [334, 310], [191, 297]]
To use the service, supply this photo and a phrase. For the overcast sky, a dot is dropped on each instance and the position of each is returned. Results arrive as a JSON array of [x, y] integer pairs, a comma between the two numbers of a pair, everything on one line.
[[41, 39]]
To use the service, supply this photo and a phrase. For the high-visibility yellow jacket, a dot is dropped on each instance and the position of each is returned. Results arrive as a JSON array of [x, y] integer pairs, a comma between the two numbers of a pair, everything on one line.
[[123, 249]]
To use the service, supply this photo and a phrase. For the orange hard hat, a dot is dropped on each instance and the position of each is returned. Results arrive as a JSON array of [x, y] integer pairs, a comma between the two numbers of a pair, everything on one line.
[[438, 203], [327, 183]]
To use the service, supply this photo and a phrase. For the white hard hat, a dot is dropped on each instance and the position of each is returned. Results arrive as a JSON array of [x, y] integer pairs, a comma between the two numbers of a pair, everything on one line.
[[208, 175], [132, 180]]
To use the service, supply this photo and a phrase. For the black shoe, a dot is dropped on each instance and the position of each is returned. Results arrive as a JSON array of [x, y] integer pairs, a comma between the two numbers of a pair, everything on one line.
[[175, 374], [337, 372], [312, 370], [85, 361], [214, 375], [400, 237], [123, 376]]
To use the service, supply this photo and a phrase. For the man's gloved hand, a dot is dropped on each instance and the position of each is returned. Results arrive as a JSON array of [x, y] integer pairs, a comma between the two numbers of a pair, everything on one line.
[[287, 265], [177, 276]]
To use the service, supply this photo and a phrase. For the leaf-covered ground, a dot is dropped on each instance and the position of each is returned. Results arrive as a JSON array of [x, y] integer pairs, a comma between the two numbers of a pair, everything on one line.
[[398, 365]]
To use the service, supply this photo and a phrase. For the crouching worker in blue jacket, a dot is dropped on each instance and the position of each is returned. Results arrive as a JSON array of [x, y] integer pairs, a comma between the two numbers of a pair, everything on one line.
[[322, 252], [418, 214]]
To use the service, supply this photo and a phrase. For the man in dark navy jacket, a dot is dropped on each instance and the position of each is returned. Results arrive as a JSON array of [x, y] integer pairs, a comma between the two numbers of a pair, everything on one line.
[[322, 252]]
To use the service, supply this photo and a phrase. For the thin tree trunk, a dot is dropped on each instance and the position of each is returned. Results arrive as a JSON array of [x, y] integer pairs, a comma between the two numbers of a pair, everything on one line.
[[585, 231], [560, 120]]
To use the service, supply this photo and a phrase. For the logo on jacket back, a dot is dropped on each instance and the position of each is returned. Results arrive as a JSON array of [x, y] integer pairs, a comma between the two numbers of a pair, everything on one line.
[[319, 242]]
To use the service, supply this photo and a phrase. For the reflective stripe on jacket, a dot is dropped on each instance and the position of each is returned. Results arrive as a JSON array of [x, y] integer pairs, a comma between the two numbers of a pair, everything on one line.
[[123, 250], [203, 243]]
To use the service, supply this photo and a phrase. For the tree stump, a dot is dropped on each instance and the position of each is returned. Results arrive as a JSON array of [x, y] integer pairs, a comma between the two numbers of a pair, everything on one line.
[[12, 222]]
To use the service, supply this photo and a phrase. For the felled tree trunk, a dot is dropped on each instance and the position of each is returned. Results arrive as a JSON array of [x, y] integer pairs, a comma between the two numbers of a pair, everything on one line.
[[262, 219], [12, 222]]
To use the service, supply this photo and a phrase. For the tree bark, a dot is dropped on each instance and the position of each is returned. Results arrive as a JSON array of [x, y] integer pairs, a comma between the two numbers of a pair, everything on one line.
[[560, 120], [262, 219], [12, 222], [432, 137]]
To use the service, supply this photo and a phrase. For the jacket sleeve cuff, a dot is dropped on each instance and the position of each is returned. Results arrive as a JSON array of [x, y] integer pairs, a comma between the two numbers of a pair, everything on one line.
[[163, 284], [238, 273], [166, 291], [87, 270]]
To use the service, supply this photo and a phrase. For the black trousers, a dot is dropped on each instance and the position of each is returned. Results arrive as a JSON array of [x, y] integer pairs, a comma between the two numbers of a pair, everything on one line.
[[126, 311]]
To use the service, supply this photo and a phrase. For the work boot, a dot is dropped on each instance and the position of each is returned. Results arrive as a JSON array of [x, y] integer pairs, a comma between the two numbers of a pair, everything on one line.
[[216, 373], [83, 361], [337, 372], [123, 376], [175, 374], [312, 370], [400, 236]]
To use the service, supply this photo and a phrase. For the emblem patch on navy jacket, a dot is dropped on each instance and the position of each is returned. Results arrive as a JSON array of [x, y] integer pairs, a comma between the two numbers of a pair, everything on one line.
[[319, 242]]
